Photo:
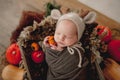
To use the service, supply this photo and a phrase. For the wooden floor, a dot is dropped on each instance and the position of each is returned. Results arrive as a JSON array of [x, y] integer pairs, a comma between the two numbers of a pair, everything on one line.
[[10, 13], [9, 17]]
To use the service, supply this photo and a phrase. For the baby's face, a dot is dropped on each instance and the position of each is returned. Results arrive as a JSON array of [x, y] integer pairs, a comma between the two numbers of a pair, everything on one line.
[[66, 33]]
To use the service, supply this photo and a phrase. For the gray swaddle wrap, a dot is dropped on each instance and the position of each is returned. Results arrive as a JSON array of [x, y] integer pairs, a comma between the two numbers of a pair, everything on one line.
[[64, 66]]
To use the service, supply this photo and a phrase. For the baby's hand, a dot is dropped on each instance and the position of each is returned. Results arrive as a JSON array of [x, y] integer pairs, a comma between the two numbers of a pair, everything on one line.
[[49, 41], [45, 41], [53, 44], [55, 47]]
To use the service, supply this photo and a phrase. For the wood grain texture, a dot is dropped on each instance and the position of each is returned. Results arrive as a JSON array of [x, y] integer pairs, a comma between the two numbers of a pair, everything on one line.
[[101, 19], [74, 4]]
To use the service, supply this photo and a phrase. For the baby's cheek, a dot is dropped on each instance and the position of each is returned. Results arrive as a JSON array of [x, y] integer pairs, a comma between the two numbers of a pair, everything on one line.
[[70, 42], [67, 43], [55, 38]]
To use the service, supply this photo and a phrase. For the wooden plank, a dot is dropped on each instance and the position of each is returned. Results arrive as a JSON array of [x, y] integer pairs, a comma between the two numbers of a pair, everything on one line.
[[101, 19], [74, 4]]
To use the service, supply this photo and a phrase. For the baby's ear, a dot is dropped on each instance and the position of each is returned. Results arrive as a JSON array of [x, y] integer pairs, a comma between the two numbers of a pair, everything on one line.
[[55, 14], [90, 17]]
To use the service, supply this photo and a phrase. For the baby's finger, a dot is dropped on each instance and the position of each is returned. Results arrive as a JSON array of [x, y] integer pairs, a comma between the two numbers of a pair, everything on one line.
[[45, 42], [53, 47]]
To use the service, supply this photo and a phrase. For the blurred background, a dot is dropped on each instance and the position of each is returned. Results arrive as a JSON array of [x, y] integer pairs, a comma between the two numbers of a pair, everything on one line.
[[11, 11], [9, 17], [109, 8]]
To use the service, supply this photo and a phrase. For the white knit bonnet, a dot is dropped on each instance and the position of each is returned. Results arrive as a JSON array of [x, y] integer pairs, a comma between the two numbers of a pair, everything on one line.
[[77, 20]]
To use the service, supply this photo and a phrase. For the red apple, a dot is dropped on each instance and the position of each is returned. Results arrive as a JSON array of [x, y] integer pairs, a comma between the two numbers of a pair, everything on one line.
[[13, 54], [37, 56], [114, 49], [104, 33]]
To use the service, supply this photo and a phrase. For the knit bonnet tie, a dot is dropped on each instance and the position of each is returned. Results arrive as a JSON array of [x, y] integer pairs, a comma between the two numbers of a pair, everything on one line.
[[76, 47]]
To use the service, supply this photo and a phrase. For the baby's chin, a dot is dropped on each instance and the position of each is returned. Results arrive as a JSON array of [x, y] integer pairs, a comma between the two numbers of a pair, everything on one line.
[[61, 45]]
